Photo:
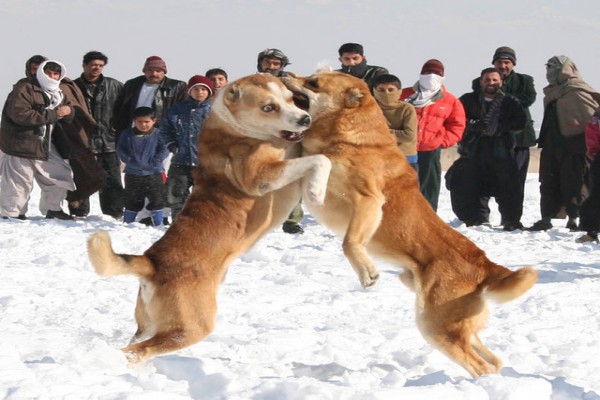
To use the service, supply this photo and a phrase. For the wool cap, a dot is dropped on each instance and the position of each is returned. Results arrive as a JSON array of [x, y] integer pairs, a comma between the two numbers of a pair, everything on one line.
[[505, 53], [433, 66], [201, 80], [155, 62]]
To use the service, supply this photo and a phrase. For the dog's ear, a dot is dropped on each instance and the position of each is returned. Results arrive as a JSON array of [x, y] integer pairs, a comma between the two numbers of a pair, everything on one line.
[[233, 93], [354, 97], [324, 68]]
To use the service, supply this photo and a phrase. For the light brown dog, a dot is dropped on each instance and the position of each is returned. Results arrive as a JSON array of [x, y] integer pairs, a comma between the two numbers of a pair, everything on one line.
[[242, 189], [373, 201]]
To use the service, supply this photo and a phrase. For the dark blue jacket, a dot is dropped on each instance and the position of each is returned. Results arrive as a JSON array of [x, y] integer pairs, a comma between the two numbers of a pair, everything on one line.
[[143, 154], [180, 129]]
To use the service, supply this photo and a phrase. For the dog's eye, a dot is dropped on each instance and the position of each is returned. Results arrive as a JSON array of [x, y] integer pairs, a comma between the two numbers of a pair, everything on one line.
[[269, 108], [312, 83]]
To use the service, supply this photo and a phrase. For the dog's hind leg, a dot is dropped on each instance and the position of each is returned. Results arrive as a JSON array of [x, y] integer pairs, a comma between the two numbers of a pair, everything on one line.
[[366, 216], [145, 326], [163, 342], [486, 353]]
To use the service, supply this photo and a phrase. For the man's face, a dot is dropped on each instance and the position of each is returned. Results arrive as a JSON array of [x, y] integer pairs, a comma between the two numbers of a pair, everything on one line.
[[52, 74], [269, 64], [154, 76], [93, 69], [350, 59], [218, 81], [491, 83], [504, 65], [33, 68], [144, 124]]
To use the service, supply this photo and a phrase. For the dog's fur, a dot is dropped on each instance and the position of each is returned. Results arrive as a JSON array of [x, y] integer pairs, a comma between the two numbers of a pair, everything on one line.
[[243, 188], [373, 201]]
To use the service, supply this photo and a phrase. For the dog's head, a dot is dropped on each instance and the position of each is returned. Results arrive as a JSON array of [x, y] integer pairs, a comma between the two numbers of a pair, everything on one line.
[[260, 106], [325, 92]]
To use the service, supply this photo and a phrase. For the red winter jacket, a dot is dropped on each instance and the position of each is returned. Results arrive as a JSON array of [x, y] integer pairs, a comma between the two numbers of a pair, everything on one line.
[[592, 134], [441, 124]]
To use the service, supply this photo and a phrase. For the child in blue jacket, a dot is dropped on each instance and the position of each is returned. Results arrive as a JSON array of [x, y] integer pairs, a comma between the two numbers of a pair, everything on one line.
[[142, 152], [179, 131]]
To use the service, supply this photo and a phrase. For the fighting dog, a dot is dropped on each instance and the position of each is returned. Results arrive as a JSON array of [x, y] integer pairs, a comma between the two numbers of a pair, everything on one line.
[[373, 201], [242, 188]]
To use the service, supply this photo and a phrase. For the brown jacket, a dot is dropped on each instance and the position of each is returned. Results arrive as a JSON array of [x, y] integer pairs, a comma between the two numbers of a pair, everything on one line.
[[402, 120]]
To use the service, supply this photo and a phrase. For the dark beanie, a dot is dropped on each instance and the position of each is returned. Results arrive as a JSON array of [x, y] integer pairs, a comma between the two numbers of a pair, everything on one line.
[[505, 53], [155, 62], [200, 80], [433, 66]]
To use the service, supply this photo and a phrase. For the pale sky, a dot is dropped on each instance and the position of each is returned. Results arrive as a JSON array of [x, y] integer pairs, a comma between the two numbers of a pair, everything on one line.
[[192, 36]]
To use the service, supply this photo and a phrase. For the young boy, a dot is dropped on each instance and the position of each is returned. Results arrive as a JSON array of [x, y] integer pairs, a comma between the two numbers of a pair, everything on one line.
[[143, 154], [179, 132], [401, 116]]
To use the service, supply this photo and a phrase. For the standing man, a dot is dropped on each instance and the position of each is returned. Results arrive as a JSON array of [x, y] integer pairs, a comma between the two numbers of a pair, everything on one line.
[[101, 94], [28, 131], [488, 165], [273, 61], [441, 120], [354, 63], [520, 86], [152, 89], [569, 103]]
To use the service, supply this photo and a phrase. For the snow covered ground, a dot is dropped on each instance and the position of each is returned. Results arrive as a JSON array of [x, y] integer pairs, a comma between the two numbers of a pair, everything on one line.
[[293, 321]]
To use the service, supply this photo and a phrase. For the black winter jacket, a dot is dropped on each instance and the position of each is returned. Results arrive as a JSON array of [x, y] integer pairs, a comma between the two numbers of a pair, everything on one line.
[[170, 91], [520, 86], [511, 121], [101, 101]]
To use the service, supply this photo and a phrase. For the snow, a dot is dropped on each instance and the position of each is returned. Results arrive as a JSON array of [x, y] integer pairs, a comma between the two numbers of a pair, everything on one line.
[[293, 321]]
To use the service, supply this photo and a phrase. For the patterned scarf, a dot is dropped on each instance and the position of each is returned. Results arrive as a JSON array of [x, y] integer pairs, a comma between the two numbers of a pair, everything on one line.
[[491, 117]]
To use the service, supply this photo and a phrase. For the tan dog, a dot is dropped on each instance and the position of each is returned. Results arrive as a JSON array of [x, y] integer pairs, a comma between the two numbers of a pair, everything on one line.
[[373, 201], [242, 189]]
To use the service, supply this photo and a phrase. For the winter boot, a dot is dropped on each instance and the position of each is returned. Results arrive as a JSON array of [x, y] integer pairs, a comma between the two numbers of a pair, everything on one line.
[[157, 217], [129, 216]]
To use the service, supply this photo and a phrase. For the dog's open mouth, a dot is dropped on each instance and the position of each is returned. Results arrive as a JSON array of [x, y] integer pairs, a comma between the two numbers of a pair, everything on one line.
[[292, 136]]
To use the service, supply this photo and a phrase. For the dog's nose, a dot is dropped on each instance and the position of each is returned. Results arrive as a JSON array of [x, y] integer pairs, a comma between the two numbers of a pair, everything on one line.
[[305, 120]]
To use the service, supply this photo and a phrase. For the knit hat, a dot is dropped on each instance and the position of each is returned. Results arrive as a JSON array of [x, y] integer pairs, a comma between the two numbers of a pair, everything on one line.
[[433, 66], [200, 80], [155, 62], [505, 53]]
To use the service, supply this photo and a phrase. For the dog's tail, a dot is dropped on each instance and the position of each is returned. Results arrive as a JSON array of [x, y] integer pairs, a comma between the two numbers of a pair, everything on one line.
[[504, 285], [107, 263]]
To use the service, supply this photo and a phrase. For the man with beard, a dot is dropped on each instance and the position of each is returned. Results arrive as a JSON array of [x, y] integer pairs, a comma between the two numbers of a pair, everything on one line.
[[487, 166], [521, 86], [354, 63]]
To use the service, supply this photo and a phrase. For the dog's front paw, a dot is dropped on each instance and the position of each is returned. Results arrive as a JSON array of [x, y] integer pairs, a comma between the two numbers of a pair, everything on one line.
[[368, 280], [316, 185]]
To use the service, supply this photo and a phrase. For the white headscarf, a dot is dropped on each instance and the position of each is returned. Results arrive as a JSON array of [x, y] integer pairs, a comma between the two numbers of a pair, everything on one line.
[[427, 87], [50, 86]]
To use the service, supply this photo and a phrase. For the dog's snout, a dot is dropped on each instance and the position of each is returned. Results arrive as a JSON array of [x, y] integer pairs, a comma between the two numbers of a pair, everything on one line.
[[304, 120]]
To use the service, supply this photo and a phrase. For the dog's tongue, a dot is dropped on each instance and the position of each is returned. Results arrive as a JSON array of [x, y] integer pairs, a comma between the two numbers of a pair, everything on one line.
[[292, 136]]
